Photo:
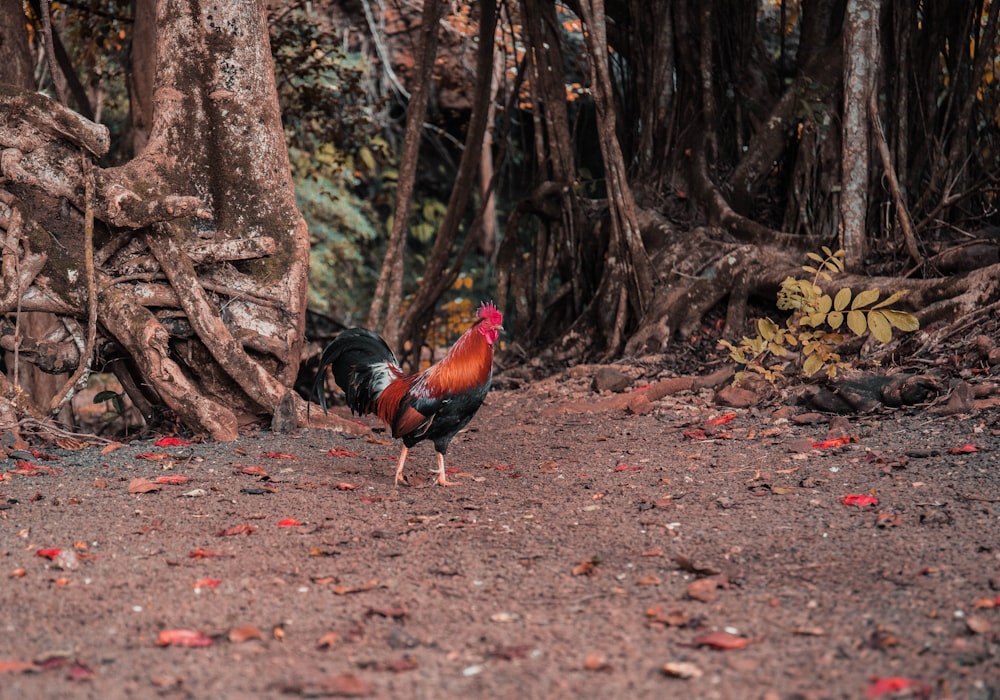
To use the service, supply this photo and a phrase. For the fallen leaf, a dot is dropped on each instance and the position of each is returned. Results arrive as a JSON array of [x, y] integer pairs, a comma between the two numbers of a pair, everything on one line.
[[627, 468], [254, 471], [340, 452], [674, 618], [585, 568], [859, 500], [277, 455], [288, 522], [48, 553], [80, 672], [345, 685], [884, 519], [153, 456], [596, 662], [681, 669], [833, 442], [142, 485], [367, 586], [977, 624], [344, 486], [327, 641], [236, 530], [183, 638], [200, 553], [207, 583], [172, 480], [964, 449], [14, 666], [881, 686], [696, 434], [170, 442], [111, 447], [245, 633], [703, 589], [720, 641], [720, 420], [651, 580]]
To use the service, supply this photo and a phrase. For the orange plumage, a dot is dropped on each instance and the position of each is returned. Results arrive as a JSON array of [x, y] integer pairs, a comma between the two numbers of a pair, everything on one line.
[[430, 405]]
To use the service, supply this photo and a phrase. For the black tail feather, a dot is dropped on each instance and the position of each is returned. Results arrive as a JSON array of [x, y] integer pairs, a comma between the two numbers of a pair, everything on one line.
[[354, 356]]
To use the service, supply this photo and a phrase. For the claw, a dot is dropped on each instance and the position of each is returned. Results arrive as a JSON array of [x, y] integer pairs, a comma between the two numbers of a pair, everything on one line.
[[441, 478]]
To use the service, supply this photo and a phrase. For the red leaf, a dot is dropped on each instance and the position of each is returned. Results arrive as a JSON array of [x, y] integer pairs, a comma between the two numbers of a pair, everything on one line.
[[152, 456], [720, 641], [277, 455], [695, 434], [49, 553], [964, 449], [859, 500], [183, 638], [627, 468], [14, 666], [881, 686], [207, 583], [142, 485], [371, 499], [236, 530], [721, 419], [200, 553], [172, 480], [289, 522], [344, 486], [254, 471], [170, 442], [341, 452], [832, 442]]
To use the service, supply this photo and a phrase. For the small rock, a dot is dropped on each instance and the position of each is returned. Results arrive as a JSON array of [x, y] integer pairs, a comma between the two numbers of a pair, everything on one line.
[[735, 397], [610, 379]]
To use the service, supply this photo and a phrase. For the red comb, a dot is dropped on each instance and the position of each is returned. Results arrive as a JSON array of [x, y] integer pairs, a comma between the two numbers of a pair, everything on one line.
[[489, 311]]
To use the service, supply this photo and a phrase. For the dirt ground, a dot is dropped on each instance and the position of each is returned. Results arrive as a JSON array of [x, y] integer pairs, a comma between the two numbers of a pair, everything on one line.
[[687, 550]]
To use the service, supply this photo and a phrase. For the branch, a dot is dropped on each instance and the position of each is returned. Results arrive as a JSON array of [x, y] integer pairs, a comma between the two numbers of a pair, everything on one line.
[[890, 172]]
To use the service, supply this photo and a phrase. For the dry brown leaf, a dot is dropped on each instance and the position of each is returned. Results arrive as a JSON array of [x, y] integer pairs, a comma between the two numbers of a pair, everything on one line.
[[142, 485], [327, 641], [244, 634], [367, 586], [704, 589], [720, 641]]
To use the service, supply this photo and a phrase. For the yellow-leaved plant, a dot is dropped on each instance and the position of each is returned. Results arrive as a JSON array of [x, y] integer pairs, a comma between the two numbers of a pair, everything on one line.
[[816, 322]]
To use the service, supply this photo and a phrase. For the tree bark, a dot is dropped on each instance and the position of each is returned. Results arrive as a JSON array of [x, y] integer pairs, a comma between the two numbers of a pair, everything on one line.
[[860, 78], [198, 238]]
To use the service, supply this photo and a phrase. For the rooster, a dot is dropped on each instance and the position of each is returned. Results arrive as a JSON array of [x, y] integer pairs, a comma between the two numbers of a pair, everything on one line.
[[430, 405]]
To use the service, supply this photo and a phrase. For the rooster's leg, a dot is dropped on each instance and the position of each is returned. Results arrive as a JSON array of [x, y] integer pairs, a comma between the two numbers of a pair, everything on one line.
[[442, 479], [399, 466]]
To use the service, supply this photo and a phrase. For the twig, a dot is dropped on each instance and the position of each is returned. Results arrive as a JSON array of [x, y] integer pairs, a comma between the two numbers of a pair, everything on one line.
[[50, 53], [88, 265], [905, 222]]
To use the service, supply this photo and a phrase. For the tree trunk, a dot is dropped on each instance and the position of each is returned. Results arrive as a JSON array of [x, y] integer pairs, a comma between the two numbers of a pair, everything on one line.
[[860, 67], [199, 252]]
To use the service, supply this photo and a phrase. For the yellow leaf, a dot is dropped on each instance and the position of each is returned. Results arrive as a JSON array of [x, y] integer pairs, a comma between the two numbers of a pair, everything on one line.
[[843, 297], [835, 319], [367, 158], [826, 251], [812, 364], [825, 302], [814, 256], [879, 326], [767, 328], [856, 322], [815, 319], [893, 298], [865, 298], [902, 320], [777, 350]]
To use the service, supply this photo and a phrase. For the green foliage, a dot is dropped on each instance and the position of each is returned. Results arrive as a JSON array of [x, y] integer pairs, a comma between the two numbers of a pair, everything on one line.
[[816, 321]]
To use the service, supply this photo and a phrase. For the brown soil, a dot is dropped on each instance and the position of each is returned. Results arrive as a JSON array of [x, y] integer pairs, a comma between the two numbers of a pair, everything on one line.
[[580, 554]]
